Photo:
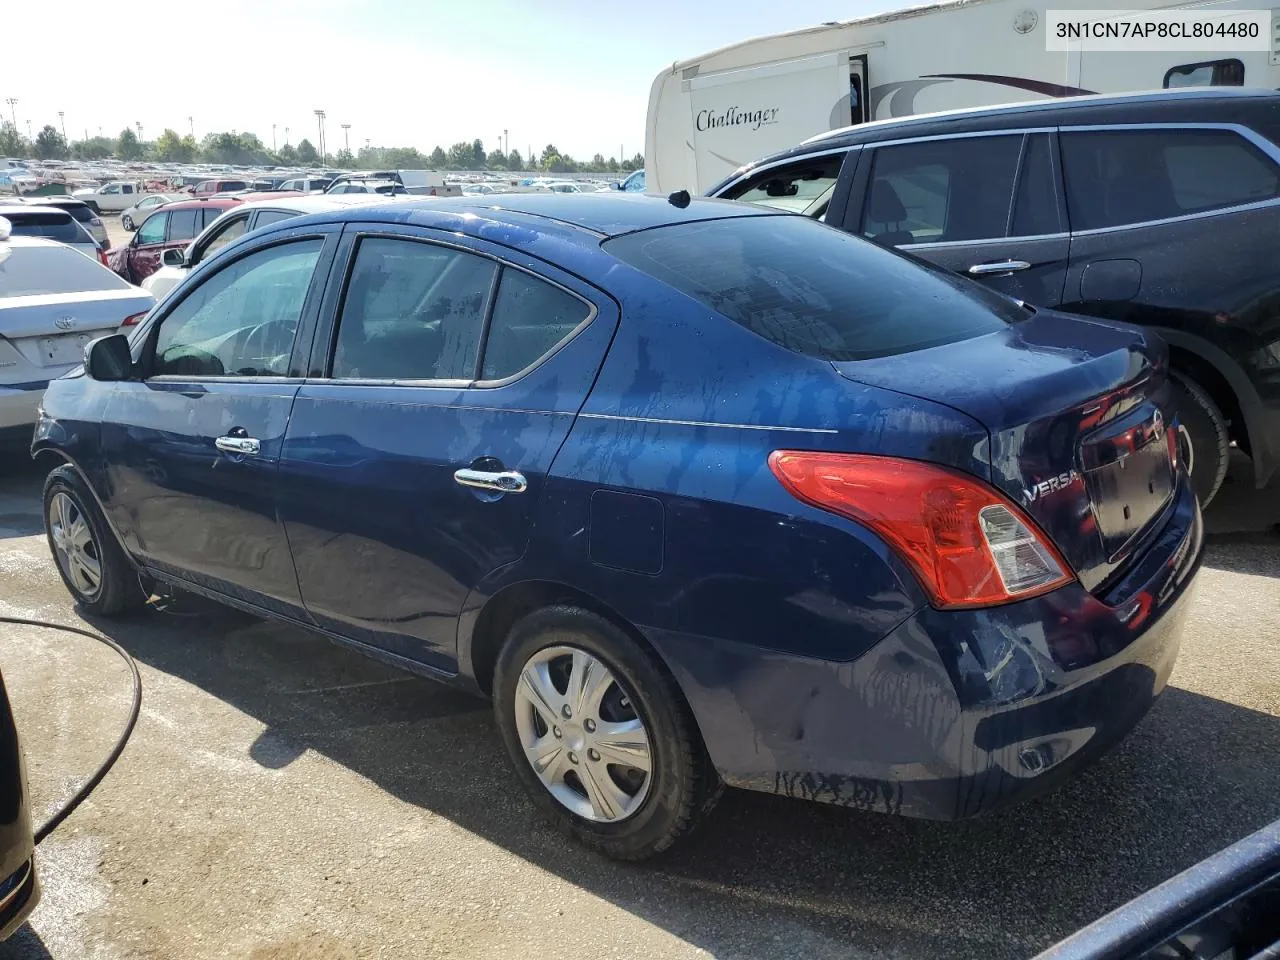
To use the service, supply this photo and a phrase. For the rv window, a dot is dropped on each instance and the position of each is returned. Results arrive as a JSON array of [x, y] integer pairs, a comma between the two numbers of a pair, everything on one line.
[[1212, 73], [802, 187], [1132, 176], [939, 191]]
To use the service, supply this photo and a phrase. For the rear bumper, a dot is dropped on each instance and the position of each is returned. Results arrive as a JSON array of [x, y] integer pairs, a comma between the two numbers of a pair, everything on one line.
[[18, 413], [954, 713]]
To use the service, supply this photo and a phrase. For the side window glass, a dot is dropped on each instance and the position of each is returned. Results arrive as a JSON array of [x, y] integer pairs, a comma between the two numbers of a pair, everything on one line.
[[803, 187], [183, 224], [412, 311], [111, 188], [1118, 177], [1035, 209], [530, 317], [941, 191], [242, 320], [227, 232], [128, 188], [152, 229], [272, 216], [1211, 73]]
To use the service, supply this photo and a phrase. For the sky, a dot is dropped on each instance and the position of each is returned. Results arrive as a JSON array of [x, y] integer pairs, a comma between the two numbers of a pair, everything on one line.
[[572, 73]]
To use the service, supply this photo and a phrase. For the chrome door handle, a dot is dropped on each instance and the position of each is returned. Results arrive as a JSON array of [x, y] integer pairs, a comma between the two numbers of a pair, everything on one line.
[[1003, 266], [238, 445], [499, 481]]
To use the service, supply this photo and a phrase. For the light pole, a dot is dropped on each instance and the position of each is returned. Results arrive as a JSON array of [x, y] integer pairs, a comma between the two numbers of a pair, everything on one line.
[[62, 119], [28, 129], [506, 142], [191, 125], [346, 137], [13, 110], [273, 138], [286, 136], [320, 124], [138, 124]]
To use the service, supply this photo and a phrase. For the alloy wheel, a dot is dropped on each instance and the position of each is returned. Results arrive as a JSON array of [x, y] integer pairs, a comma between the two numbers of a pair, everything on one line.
[[582, 735], [77, 551]]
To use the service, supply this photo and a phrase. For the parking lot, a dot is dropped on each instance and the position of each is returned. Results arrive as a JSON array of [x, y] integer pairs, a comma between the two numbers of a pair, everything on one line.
[[285, 798]]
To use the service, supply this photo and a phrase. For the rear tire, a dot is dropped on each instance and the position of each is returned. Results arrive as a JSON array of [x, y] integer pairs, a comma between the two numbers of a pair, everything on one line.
[[1203, 446], [680, 786], [88, 557], [127, 222]]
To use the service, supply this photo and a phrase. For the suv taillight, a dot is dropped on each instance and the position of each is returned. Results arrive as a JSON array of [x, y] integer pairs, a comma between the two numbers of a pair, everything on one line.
[[968, 545]]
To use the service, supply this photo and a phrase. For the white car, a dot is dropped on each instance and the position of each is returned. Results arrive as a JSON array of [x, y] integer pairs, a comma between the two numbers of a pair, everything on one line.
[[148, 205], [53, 302], [236, 222], [33, 220], [112, 198], [562, 186], [306, 184]]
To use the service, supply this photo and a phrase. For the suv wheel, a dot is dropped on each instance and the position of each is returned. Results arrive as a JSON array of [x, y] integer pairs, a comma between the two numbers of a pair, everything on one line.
[[90, 561], [600, 735], [1203, 445]]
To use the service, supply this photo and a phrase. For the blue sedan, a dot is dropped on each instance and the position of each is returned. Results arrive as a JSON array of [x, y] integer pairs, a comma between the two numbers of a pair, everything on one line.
[[698, 493]]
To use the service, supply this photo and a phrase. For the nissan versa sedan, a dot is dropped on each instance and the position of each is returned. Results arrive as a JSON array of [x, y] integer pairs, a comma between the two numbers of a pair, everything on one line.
[[698, 492]]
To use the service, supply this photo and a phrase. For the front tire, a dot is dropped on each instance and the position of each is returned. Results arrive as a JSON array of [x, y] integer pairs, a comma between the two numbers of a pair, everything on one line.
[[1203, 446], [89, 559], [600, 735]]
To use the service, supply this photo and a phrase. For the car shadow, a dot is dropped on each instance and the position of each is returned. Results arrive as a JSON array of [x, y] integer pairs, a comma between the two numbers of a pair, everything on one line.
[[21, 480], [24, 944], [1189, 780]]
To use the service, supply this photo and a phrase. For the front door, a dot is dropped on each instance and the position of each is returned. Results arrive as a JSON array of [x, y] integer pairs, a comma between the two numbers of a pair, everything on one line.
[[415, 457], [988, 207], [192, 448], [147, 246]]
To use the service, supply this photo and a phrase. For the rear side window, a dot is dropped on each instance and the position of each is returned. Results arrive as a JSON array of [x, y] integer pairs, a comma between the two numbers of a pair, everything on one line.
[[1211, 73], [184, 224], [273, 216], [813, 289], [212, 213], [412, 311], [530, 317], [1118, 177], [52, 226], [941, 191], [38, 270]]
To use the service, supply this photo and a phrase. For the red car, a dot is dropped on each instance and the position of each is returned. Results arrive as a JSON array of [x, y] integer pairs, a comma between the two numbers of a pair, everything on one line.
[[173, 225], [209, 187]]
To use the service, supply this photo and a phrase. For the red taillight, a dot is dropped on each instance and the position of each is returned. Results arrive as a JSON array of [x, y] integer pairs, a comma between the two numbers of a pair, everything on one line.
[[102, 257], [968, 545], [1171, 438], [134, 320]]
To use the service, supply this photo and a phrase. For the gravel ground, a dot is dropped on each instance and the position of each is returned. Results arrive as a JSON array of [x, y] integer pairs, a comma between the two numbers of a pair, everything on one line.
[[285, 798]]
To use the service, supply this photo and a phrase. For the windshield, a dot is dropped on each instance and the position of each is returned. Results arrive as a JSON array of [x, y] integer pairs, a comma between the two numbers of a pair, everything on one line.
[[813, 289], [30, 271]]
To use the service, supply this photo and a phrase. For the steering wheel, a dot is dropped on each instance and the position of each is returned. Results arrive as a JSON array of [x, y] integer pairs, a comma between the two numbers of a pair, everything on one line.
[[259, 340]]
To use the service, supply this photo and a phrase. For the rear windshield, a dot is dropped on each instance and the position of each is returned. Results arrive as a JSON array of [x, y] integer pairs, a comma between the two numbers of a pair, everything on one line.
[[54, 226], [37, 270], [813, 289]]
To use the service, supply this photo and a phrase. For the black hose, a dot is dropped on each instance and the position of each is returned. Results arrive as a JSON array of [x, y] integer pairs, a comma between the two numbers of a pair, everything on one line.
[[135, 708]]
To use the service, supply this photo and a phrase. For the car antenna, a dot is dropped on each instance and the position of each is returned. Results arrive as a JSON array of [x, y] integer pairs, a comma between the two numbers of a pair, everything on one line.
[[679, 199]]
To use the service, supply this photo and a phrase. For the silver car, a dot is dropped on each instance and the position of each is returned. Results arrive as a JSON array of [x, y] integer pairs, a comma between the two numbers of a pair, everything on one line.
[[37, 220], [146, 206], [53, 301]]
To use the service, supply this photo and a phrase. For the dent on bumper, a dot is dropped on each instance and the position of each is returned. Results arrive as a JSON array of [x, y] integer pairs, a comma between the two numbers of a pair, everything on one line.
[[953, 713]]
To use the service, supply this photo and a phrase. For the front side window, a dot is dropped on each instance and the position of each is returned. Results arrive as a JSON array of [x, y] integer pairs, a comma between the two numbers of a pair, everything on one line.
[[241, 321], [225, 233], [813, 289], [412, 311], [530, 318], [802, 187], [152, 230], [111, 188], [183, 224], [1119, 177], [1211, 73], [941, 191], [1035, 208]]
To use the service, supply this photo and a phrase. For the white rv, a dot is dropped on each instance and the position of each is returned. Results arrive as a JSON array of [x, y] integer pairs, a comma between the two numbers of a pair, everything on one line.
[[711, 114]]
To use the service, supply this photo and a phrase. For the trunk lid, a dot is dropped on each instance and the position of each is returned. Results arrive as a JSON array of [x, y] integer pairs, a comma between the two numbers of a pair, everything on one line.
[[1076, 411], [51, 330]]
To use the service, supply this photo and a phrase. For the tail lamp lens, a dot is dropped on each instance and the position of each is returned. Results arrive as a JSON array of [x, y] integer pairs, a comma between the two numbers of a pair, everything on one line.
[[102, 257], [134, 320], [968, 545]]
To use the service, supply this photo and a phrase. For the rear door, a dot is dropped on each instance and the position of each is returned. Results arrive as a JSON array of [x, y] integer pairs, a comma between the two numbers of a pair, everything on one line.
[[192, 448], [987, 206], [445, 381]]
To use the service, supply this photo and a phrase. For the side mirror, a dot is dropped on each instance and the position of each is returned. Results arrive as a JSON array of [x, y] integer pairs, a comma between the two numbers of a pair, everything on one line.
[[616, 185], [173, 257], [108, 359]]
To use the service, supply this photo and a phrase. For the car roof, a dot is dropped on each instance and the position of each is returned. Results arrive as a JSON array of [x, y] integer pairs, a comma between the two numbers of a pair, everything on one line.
[[603, 214], [7, 210], [225, 202], [305, 203]]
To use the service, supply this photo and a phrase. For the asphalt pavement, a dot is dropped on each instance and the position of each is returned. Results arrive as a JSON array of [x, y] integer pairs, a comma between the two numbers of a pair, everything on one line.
[[285, 798]]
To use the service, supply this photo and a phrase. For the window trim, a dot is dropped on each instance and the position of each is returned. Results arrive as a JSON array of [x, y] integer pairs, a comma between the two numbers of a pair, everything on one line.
[[199, 253], [1164, 84], [491, 297], [150, 330], [1270, 150]]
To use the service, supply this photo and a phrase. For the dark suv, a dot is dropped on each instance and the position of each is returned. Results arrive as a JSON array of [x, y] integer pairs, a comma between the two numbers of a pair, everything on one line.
[[1160, 209]]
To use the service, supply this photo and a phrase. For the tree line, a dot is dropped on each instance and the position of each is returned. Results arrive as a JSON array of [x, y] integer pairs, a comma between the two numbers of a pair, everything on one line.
[[246, 149]]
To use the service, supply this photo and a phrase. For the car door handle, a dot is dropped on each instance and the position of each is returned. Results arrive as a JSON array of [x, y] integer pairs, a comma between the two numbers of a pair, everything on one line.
[[497, 481], [1001, 266], [241, 445]]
